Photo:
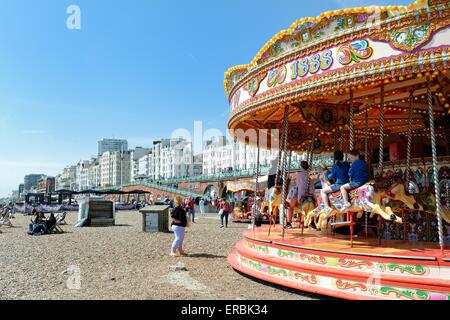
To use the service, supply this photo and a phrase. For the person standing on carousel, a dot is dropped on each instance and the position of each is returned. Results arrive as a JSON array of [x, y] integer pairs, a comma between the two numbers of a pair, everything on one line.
[[359, 175], [303, 187], [340, 174]]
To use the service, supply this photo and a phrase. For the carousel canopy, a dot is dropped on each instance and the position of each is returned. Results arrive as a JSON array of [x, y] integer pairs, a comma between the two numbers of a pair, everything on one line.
[[247, 185], [345, 64]]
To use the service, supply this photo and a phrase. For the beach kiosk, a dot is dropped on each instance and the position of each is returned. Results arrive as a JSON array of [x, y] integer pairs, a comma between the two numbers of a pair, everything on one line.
[[155, 218]]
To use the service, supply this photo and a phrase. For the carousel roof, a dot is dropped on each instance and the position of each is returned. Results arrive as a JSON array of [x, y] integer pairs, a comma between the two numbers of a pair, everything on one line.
[[322, 67], [306, 32]]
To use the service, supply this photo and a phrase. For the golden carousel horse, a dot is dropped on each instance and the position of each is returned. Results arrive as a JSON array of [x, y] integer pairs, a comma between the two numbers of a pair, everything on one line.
[[274, 199], [424, 201]]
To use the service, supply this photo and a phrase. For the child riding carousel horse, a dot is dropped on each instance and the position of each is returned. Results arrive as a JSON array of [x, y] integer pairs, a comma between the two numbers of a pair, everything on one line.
[[339, 173], [359, 175]]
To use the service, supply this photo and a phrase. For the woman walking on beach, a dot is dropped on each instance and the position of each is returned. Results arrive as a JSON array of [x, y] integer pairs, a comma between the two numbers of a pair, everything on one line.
[[179, 224], [190, 207], [225, 212]]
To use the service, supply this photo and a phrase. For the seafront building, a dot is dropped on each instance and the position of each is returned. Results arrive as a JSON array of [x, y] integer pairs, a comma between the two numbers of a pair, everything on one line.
[[112, 145], [94, 174], [223, 156], [135, 155], [46, 184], [31, 181], [166, 159], [171, 158], [67, 179], [114, 168]]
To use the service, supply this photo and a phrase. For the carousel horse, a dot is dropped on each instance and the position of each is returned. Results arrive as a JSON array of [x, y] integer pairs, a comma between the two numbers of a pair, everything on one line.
[[424, 200], [398, 192], [363, 199], [274, 199]]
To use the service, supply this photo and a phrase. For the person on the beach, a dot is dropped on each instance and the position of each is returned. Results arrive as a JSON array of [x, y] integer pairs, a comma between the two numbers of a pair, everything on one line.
[[37, 217], [225, 212], [190, 208], [38, 225], [359, 175], [179, 224], [9, 211], [201, 205], [51, 221]]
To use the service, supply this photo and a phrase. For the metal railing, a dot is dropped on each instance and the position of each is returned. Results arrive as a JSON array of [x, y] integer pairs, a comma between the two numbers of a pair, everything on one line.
[[248, 173], [164, 185], [154, 185]]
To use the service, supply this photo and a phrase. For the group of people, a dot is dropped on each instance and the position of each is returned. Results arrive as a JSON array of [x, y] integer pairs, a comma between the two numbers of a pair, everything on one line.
[[40, 225], [347, 175]]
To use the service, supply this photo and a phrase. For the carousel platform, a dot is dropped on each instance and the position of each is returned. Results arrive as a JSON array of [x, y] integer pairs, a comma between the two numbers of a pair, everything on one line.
[[329, 265]]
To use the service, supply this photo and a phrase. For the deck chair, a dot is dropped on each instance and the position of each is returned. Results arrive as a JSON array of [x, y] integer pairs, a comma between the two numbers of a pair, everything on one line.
[[62, 218], [56, 228], [5, 221]]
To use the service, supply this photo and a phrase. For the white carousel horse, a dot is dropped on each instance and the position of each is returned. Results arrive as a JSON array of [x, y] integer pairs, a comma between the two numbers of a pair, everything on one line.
[[363, 199]]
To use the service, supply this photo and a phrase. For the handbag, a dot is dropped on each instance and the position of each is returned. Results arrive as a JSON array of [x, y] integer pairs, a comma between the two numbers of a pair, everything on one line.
[[220, 212]]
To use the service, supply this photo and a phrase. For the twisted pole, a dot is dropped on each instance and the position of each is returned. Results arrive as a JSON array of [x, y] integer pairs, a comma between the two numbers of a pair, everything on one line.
[[284, 164], [366, 138], [352, 117], [437, 190], [280, 155], [257, 169], [408, 147], [381, 141], [311, 147]]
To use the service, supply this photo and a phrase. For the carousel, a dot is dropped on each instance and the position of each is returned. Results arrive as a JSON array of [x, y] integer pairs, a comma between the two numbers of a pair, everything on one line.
[[243, 194], [374, 79]]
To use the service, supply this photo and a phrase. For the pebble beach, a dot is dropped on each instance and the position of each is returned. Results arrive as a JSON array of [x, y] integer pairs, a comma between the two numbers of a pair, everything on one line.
[[122, 263]]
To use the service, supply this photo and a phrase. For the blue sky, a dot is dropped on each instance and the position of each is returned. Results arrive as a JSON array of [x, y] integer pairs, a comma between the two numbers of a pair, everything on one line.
[[137, 69]]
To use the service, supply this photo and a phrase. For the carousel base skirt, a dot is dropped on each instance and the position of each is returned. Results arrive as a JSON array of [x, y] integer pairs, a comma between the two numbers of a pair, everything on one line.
[[328, 265]]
